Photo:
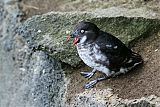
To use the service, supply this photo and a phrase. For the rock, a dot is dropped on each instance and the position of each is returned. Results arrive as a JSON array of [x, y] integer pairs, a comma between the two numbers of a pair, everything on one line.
[[27, 78], [42, 84], [142, 103], [48, 32], [30, 60], [105, 98], [7, 74]]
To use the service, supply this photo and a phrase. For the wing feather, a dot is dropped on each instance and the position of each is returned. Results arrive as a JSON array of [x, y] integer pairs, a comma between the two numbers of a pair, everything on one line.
[[113, 49]]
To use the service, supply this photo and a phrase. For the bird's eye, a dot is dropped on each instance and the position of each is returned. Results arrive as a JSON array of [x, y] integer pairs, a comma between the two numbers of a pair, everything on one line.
[[82, 31]]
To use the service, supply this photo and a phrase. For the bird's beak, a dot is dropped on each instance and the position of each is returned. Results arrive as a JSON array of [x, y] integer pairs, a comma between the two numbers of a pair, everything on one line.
[[75, 36], [76, 39]]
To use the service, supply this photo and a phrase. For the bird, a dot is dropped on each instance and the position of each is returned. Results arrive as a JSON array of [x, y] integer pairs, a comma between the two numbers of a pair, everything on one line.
[[103, 52]]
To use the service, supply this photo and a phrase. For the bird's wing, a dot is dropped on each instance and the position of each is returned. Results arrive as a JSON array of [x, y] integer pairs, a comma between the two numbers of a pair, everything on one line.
[[113, 49]]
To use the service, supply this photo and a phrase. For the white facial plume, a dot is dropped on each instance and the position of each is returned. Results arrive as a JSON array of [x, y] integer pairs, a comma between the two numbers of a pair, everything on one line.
[[83, 39]]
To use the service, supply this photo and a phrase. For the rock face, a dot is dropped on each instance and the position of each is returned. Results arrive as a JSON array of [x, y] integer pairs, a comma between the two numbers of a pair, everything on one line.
[[95, 98], [32, 53], [48, 32], [27, 78], [42, 83]]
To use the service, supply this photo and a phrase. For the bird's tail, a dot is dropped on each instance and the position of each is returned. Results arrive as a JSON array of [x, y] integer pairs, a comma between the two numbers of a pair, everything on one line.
[[134, 60]]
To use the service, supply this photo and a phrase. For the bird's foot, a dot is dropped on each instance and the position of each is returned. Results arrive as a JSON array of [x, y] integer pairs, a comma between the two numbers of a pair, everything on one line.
[[92, 83], [88, 74]]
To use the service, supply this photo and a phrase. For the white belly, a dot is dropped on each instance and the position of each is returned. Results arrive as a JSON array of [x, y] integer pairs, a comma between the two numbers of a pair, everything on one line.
[[85, 55], [90, 56]]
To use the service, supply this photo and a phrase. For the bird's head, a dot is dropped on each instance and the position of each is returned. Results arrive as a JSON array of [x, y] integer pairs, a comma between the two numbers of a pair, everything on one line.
[[84, 32]]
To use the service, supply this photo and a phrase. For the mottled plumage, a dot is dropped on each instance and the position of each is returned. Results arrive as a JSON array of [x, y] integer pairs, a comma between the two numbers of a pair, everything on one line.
[[103, 52]]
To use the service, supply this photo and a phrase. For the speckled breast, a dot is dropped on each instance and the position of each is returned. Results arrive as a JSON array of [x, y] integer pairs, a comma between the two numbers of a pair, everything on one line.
[[91, 55]]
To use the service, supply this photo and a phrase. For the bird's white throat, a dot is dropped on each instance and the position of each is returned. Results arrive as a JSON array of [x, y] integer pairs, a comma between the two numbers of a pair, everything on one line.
[[83, 39]]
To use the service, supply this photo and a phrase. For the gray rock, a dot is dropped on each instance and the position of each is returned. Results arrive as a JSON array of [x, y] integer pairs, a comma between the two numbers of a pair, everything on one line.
[[40, 84], [7, 27], [31, 76], [48, 32], [27, 78], [105, 98], [142, 103]]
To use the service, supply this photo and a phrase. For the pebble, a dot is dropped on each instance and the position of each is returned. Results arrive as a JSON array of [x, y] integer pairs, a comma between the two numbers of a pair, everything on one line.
[[39, 31], [68, 32], [156, 50]]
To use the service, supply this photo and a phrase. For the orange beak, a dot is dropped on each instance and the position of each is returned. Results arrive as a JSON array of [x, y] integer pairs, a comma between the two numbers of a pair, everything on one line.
[[76, 39]]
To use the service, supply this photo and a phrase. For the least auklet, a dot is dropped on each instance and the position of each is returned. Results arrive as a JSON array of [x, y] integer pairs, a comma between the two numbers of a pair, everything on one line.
[[103, 52]]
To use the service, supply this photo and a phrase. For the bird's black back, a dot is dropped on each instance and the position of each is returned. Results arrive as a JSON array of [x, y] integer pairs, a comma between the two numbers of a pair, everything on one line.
[[113, 49]]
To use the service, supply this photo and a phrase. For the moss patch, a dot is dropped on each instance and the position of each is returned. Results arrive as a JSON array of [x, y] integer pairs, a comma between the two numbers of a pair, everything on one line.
[[48, 32]]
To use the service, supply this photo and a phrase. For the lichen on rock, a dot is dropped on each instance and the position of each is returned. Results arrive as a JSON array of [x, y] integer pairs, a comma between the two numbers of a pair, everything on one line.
[[48, 32]]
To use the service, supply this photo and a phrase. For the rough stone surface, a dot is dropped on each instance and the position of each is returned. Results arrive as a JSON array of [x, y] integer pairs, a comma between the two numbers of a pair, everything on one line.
[[42, 83], [27, 78], [38, 7], [105, 98], [48, 32], [8, 21], [31, 76]]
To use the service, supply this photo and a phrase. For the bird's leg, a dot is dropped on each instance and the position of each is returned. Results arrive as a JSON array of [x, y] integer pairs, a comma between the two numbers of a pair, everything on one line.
[[88, 74], [92, 83]]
